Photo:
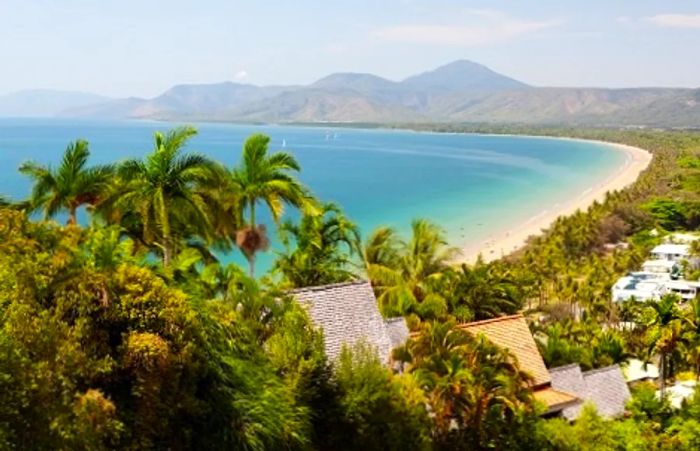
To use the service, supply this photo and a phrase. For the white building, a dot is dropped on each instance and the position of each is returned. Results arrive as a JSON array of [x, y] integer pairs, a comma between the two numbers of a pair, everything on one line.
[[662, 268], [646, 289], [684, 289], [671, 252], [641, 290]]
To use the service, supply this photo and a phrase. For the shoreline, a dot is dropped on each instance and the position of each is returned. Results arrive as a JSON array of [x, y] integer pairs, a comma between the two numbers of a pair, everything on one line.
[[505, 242]]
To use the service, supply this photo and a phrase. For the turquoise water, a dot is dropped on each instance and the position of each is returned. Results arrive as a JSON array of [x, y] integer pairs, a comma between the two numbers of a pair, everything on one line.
[[473, 185]]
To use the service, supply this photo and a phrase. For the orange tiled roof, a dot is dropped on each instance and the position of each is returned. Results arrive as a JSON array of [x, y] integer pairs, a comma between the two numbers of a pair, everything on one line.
[[555, 400], [513, 334]]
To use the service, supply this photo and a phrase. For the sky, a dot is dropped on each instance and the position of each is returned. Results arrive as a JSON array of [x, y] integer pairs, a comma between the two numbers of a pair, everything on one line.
[[141, 48]]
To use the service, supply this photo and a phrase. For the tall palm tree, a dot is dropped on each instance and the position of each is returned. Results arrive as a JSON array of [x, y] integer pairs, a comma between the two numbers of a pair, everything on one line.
[[69, 186], [264, 177], [664, 332], [323, 245], [167, 191], [404, 272]]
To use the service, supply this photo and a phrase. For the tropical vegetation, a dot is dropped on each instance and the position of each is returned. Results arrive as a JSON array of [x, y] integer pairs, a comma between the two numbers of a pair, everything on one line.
[[125, 328]]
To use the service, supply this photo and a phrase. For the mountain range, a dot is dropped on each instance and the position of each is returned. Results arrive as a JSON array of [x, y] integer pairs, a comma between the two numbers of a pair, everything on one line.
[[462, 91]]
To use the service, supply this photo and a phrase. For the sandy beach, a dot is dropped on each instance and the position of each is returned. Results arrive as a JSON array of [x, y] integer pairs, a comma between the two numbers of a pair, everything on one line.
[[506, 242]]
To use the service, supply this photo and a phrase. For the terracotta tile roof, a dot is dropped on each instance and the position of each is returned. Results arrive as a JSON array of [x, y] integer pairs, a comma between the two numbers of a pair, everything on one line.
[[513, 334], [605, 388], [555, 400], [347, 313]]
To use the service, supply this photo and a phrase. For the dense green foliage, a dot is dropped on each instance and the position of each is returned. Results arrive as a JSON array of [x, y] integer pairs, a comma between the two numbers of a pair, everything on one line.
[[129, 333]]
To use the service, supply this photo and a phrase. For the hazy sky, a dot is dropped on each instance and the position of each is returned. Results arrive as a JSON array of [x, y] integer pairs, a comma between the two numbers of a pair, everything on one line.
[[142, 47]]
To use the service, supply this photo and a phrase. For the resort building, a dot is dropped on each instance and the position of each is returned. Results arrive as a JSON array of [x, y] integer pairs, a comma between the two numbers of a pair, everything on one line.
[[513, 334], [348, 313], [639, 289], [671, 252], [685, 289], [663, 269], [605, 388]]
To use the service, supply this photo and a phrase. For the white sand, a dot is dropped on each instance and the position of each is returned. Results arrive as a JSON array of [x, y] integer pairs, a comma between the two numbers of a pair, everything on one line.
[[501, 244]]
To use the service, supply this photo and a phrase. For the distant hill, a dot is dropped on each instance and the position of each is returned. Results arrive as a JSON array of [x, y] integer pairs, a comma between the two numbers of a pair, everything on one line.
[[44, 102], [461, 76], [462, 91]]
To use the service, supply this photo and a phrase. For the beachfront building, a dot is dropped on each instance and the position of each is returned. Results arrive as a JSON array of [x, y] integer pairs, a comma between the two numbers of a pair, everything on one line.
[[645, 289], [671, 252], [662, 269], [684, 289], [348, 313], [605, 388], [639, 289], [512, 333]]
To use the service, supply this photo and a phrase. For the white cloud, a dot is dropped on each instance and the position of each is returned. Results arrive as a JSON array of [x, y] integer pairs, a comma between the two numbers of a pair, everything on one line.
[[675, 20], [241, 75], [485, 27]]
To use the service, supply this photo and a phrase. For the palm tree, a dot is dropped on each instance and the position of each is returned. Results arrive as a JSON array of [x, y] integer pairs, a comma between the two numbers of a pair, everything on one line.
[[664, 332], [265, 178], [482, 291], [404, 272], [167, 192], [69, 186], [324, 245], [473, 388]]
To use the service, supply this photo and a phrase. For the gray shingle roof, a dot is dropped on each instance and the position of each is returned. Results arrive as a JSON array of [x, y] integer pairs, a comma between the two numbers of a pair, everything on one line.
[[608, 390], [348, 313], [605, 388], [397, 330]]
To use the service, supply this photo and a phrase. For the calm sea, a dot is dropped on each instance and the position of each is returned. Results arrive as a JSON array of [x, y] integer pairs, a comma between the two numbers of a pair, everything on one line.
[[472, 185]]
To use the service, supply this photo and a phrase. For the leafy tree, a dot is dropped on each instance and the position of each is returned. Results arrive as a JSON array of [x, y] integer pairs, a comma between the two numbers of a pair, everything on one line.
[[376, 414], [264, 177], [68, 186]]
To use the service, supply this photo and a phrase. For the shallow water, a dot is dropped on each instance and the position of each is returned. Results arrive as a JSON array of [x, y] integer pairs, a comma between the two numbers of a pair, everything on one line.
[[472, 185]]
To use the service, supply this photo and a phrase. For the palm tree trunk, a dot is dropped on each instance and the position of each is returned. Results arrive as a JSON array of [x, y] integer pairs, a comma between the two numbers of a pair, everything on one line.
[[662, 373], [251, 259], [165, 225], [251, 265], [72, 215]]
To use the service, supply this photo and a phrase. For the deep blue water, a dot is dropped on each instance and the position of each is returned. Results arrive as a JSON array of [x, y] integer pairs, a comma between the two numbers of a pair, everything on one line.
[[472, 185]]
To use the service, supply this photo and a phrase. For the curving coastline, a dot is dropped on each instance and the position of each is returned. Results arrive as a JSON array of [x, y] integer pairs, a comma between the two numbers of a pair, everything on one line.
[[508, 241]]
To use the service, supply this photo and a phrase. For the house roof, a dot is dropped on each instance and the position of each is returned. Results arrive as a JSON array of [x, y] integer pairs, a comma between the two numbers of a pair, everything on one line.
[[661, 263], [636, 370], [681, 249], [397, 330], [606, 388], [555, 400], [513, 334], [348, 313], [679, 392]]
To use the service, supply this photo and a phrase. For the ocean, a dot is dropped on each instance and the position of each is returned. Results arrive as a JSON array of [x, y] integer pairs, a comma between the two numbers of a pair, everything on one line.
[[472, 185]]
